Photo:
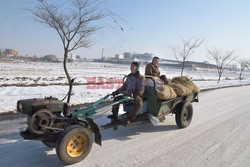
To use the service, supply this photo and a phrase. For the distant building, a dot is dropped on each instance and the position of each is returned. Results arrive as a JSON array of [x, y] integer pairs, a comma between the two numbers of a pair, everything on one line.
[[127, 55], [119, 56], [144, 56], [167, 61], [104, 58], [204, 64], [72, 57], [10, 52], [188, 64]]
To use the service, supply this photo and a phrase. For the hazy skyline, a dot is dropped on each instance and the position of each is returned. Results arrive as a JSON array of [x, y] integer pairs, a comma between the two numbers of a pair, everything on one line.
[[148, 26]]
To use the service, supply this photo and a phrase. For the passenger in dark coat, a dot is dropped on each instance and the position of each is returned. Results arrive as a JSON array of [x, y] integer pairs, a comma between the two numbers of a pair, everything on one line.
[[152, 69], [135, 84]]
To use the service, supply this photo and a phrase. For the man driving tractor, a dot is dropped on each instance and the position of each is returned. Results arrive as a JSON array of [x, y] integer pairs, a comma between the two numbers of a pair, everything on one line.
[[135, 84]]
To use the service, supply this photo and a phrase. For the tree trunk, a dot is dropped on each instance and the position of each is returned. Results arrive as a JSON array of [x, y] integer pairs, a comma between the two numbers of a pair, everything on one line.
[[219, 79], [182, 68], [220, 73], [67, 73], [240, 74]]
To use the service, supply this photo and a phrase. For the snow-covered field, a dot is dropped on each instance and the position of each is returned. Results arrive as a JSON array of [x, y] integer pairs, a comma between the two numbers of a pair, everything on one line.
[[22, 80]]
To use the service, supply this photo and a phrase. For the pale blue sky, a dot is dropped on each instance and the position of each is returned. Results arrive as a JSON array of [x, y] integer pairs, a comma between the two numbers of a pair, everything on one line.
[[156, 25]]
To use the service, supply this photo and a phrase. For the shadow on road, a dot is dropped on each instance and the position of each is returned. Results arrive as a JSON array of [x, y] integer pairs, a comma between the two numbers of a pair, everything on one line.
[[126, 133], [15, 151]]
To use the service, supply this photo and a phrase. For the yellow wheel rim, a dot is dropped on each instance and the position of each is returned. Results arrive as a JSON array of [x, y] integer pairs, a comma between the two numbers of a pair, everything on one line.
[[76, 145]]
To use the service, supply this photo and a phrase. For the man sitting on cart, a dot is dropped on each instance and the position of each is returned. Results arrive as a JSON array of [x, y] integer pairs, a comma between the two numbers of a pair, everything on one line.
[[152, 69], [135, 84]]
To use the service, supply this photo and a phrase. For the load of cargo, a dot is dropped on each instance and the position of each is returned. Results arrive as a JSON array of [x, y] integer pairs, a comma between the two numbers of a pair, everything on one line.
[[165, 93], [179, 86]]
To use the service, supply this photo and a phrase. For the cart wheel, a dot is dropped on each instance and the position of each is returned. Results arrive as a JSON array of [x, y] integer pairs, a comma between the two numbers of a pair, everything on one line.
[[184, 115], [73, 144], [50, 144]]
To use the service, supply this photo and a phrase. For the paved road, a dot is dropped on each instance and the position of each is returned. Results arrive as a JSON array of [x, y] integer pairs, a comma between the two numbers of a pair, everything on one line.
[[219, 135]]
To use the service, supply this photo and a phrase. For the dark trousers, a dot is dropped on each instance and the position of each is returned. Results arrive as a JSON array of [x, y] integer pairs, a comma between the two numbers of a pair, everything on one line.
[[137, 108]]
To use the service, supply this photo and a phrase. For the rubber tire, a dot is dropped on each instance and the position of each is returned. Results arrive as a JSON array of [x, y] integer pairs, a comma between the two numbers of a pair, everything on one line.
[[63, 139], [49, 144], [182, 109]]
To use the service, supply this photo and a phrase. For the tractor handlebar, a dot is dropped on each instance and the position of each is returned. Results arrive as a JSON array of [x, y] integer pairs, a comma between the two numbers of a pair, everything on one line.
[[124, 93]]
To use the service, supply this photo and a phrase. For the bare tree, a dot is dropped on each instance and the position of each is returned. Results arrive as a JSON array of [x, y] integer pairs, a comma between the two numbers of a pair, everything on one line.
[[73, 24], [189, 45], [243, 65], [221, 58]]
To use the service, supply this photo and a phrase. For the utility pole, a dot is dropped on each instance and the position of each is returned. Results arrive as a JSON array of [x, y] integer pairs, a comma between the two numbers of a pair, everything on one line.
[[102, 53]]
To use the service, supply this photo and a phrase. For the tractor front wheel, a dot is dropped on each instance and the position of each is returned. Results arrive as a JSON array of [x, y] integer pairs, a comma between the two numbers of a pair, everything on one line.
[[73, 144]]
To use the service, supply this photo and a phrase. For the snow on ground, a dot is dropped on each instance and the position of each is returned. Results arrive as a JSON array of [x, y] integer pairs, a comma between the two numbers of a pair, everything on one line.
[[31, 74], [219, 135], [34, 73], [52, 73]]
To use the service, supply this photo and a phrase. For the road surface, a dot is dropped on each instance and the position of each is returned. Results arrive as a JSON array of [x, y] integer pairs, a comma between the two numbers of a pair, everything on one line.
[[219, 135]]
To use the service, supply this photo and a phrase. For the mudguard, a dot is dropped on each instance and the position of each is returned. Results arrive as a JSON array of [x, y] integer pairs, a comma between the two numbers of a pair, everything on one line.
[[95, 129]]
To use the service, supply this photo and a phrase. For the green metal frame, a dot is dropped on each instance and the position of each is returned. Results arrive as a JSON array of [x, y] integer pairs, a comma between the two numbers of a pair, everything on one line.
[[81, 113]]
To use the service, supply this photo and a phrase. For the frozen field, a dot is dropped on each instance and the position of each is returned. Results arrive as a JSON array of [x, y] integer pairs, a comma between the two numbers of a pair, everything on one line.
[[33, 80], [32, 73]]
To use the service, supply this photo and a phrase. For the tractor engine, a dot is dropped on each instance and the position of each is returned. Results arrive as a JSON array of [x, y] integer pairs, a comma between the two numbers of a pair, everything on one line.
[[42, 113]]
